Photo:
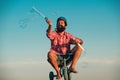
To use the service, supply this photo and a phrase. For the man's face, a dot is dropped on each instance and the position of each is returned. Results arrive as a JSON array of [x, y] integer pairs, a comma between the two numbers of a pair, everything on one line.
[[61, 24]]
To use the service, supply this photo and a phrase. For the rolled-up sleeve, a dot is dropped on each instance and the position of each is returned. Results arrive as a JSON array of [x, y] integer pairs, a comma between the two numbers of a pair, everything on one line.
[[50, 35], [71, 38]]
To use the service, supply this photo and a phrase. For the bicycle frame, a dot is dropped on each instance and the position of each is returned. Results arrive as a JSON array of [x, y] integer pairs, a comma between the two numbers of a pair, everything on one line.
[[65, 71], [62, 62]]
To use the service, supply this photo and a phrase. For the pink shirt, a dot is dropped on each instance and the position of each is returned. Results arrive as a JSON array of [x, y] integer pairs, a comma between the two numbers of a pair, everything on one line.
[[60, 43]]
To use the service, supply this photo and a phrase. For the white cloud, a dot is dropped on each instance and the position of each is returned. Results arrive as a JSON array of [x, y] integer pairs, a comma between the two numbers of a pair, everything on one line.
[[81, 60], [30, 69], [22, 63], [101, 60]]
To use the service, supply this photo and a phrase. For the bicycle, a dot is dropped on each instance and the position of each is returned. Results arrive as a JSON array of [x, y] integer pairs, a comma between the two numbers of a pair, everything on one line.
[[63, 62]]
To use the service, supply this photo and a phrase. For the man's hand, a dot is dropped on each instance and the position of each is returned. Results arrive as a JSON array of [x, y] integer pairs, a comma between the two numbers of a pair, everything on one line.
[[78, 40], [49, 22]]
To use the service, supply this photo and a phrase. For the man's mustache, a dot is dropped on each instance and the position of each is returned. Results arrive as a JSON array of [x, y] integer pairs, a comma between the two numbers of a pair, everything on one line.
[[60, 26]]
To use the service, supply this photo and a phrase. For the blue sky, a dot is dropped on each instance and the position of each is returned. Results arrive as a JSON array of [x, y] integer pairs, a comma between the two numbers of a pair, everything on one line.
[[23, 32]]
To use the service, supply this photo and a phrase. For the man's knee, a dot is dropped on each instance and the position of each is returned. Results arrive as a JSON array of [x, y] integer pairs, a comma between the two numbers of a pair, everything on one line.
[[79, 48], [76, 48], [51, 56]]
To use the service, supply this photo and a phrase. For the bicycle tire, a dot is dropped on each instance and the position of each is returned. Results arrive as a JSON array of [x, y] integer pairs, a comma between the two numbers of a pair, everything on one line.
[[69, 75], [51, 75], [65, 73]]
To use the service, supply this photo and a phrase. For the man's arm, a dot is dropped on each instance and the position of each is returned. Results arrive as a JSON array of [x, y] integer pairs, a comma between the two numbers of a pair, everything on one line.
[[77, 40], [49, 30]]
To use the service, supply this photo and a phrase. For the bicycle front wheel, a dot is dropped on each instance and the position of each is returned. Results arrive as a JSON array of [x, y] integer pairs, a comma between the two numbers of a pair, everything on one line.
[[69, 75], [65, 73]]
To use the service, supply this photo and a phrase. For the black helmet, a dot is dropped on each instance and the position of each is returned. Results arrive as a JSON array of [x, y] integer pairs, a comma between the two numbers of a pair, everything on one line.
[[62, 18]]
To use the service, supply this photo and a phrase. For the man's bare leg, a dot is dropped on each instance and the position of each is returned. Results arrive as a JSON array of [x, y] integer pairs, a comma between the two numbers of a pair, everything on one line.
[[52, 59], [77, 53]]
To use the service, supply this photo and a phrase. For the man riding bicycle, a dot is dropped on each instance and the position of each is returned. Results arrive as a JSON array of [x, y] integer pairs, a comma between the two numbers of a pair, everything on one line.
[[60, 44]]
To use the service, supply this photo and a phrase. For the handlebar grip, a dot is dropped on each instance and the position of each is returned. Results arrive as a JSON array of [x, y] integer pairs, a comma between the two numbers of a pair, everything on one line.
[[46, 18]]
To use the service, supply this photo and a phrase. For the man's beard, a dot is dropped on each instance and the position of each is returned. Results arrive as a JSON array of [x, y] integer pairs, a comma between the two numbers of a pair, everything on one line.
[[60, 29]]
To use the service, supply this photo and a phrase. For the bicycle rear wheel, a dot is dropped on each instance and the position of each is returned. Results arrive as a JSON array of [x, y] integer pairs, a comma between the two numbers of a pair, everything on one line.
[[51, 75]]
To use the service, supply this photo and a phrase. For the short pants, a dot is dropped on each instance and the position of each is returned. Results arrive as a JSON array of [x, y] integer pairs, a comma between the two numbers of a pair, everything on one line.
[[60, 57]]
